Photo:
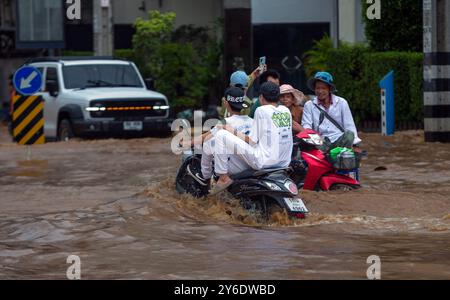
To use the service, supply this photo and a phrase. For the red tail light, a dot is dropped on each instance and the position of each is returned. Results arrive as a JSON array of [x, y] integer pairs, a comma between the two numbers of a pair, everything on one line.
[[292, 187], [300, 215]]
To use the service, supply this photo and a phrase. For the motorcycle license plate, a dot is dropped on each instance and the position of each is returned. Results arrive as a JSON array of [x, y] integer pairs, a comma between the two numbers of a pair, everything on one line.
[[296, 205], [133, 125]]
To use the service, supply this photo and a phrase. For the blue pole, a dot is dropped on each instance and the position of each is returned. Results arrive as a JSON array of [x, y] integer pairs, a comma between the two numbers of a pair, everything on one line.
[[387, 104]]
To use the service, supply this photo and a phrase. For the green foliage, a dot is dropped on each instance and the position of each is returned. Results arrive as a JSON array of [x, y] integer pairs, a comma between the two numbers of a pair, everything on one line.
[[316, 59], [150, 35], [408, 72], [400, 27], [180, 74], [347, 65], [127, 54], [209, 49], [415, 66], [184, 63], [357, 72]]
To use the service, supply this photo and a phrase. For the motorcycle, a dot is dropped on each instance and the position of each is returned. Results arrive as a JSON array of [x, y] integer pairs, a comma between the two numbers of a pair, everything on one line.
[[264, 191], [314, 171]]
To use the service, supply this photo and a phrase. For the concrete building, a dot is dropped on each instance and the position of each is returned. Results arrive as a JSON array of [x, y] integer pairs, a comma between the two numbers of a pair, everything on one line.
[[196, 12], [125, 13], [79, 34], [350, 22], [282, 30]]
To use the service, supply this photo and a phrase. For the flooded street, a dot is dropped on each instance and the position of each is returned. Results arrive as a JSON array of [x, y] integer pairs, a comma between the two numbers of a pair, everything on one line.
[[113, 203]]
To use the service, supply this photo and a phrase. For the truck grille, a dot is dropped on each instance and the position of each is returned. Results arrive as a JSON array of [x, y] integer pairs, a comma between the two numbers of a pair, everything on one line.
[[133, 109]]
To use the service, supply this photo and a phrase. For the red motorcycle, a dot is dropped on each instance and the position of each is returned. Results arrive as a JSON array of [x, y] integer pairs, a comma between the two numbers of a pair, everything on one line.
[[314, 171]]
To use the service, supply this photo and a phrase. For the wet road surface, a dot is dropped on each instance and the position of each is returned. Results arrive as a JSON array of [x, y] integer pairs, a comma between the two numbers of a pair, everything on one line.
[[112, 203]]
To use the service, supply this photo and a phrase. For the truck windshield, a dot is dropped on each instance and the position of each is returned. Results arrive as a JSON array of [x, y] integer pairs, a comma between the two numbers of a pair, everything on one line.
[[102, 75]]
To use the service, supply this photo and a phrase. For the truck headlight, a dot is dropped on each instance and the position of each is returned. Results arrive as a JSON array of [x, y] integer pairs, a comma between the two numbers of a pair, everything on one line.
[[162, 107], [95, 108]]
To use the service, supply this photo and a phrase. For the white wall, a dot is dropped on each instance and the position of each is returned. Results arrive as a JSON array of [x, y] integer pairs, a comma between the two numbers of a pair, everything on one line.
[[351, 27], [197, 12], [295, 11], [292, 11], [126, 12], [347, 20], [360, 28], [230, 4]]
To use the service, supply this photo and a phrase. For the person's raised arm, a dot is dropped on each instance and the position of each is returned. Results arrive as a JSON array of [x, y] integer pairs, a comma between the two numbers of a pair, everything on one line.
[[255, 74]]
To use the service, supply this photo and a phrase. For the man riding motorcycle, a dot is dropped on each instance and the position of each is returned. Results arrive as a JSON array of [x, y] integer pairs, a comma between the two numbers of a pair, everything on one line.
[[329, 114]]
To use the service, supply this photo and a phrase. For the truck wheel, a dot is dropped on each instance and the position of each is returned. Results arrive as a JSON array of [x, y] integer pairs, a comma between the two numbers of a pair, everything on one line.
[[65, 131]]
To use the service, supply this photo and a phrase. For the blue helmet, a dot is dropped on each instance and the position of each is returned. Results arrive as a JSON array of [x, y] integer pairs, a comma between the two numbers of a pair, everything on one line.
[[323, 77], [239, 79]]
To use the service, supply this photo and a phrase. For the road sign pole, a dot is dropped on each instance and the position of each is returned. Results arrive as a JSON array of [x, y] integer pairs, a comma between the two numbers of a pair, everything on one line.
[[28, 108], [436, 75], [28, 120], [103, 27]]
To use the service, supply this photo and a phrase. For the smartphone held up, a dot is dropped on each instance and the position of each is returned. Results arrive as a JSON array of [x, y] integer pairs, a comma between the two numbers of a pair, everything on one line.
[[262, 64]]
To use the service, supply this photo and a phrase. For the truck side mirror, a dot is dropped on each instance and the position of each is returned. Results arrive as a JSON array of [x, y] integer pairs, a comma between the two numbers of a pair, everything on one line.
[[150, 83], [52, 88]]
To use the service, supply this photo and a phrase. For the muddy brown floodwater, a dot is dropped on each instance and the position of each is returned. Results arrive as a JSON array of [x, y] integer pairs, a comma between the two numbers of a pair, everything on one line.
[[112, 202]]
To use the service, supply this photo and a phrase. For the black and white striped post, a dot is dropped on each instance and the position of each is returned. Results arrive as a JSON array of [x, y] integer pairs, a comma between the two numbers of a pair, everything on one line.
[[436, 84]]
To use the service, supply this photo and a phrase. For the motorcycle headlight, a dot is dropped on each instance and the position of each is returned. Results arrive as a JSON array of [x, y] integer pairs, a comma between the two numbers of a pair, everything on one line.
[[272, 186], [315, 139]]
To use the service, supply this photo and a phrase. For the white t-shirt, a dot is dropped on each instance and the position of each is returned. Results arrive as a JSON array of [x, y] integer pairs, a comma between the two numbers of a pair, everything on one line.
[[338, 110], [241, 123], [272, 131]]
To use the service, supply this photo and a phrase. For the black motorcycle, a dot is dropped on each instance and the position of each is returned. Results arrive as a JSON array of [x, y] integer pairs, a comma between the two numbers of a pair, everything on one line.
[[264, 191]]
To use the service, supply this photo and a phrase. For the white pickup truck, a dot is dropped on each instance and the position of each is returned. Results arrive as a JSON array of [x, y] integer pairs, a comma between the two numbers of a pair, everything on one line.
[[97, 96]]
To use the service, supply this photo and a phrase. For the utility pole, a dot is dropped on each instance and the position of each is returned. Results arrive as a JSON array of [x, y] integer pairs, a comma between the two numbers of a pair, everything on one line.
[[436, 83], [103, 28]]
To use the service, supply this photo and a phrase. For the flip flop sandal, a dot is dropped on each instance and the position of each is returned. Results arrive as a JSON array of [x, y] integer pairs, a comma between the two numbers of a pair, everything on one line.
[[218, 188]]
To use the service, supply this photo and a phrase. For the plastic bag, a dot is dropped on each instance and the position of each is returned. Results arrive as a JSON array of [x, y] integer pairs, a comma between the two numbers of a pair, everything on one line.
[[344, 159]]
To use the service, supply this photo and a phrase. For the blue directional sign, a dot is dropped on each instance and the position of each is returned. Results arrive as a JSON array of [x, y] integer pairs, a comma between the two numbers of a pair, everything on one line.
[[27, 80], [387, 104]]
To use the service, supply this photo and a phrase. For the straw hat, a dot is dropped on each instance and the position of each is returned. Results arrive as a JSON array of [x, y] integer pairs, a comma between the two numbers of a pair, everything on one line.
[[299, 96]]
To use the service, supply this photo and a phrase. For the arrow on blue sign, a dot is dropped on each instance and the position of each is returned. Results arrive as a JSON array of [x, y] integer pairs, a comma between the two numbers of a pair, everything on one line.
[[27, 80]]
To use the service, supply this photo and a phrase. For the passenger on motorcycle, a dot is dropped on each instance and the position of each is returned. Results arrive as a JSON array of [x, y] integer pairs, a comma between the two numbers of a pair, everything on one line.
[[269, 144], [234, 102], [241, 80], [293, 99], [329, 114]]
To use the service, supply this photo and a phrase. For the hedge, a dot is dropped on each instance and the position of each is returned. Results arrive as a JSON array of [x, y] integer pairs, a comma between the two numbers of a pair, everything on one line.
[[357, 72], [127, 54], [408, 77], [400, 27]]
